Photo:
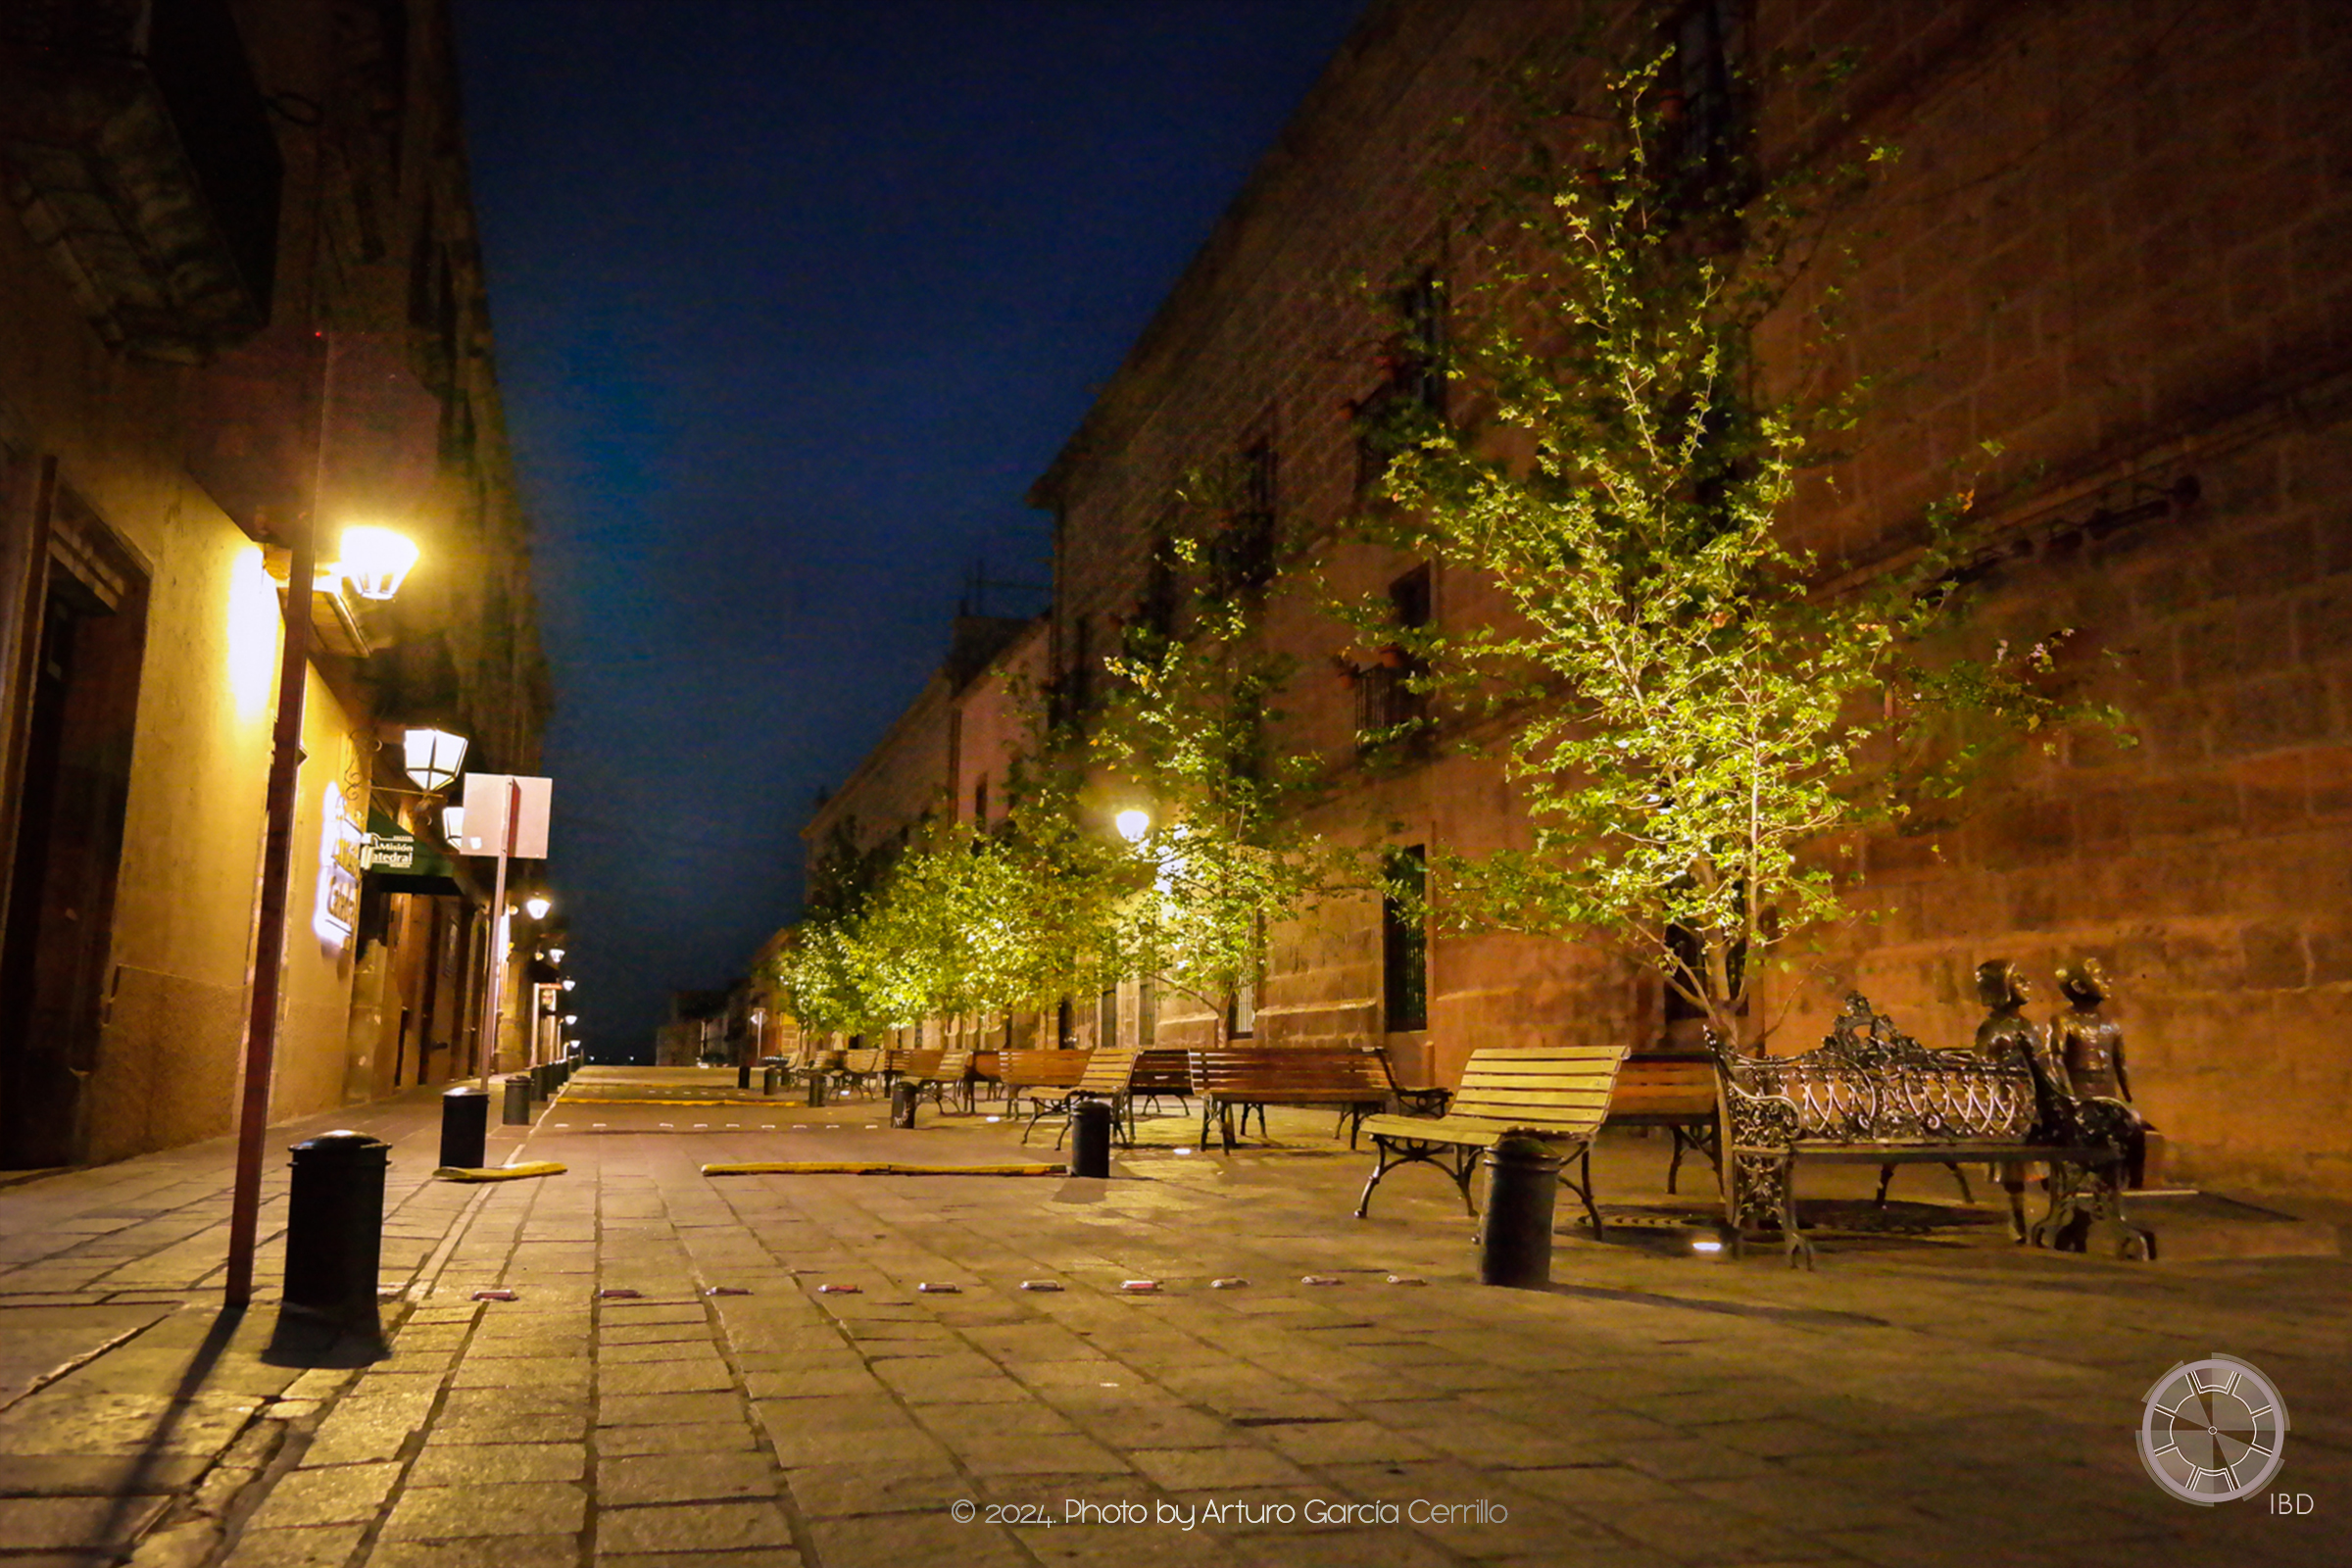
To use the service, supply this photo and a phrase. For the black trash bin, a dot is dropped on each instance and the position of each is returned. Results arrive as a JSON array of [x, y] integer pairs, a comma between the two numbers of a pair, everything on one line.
[[1514, 1244], [816, 1088], [334, 1246], [464, 1127], [1090, 1139], [904, 1097], [517, 1112]]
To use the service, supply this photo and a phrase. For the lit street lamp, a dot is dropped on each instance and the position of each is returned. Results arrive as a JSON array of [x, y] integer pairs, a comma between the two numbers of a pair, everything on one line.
[[434, 757], [1133, 823]]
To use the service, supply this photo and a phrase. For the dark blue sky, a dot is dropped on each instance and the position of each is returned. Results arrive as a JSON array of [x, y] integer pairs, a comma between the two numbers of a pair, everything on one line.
[[793, 301]]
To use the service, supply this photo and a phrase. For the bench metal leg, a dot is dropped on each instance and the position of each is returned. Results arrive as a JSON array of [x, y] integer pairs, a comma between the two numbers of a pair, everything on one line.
[[1395, 1153], [1582, 1187], [1799, 1250]]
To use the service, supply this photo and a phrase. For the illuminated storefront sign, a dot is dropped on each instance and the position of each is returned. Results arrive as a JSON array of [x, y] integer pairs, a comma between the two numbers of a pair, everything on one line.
[[340, 848]]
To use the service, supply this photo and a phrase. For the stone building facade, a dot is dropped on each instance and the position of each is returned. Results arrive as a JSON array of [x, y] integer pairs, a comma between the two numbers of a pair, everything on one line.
[[238, 285], [2118, 243]]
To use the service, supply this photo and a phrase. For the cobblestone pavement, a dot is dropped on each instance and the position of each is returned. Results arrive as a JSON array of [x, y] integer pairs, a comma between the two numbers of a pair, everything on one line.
[[1935, 1400]]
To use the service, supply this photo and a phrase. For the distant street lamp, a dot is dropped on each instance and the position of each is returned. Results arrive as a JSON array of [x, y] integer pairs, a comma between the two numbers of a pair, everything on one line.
[[453, 824], [1133, 823], [375, 561], [567, 985], [434, 757], [537, 905], [555, 955]]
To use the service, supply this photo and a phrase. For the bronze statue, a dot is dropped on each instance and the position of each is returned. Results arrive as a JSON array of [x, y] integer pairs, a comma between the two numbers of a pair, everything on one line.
[[2087, 1051], [2087, 1046], [2006, 1030]]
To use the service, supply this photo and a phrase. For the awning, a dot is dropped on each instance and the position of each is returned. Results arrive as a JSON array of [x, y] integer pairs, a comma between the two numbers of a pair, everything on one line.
[[399, 861]]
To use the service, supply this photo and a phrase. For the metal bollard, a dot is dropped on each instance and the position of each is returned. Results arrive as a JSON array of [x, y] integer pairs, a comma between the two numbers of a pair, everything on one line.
[[543, 1081], [334, 1244], [1090, 1139], [518, 1109], [816, 1088], [904, 1097], [464, 1127], [768, 1075], [1514, 1245]]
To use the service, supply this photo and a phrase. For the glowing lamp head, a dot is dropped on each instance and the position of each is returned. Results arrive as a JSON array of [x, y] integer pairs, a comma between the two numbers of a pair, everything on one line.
[[433, 758], [1133, 823], [453, 824], [567, 985], [555, 955], [571, 1018], [537, 905], [375, 561]]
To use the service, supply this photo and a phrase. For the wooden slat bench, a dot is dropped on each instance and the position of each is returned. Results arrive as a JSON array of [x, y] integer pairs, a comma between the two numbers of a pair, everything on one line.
[[858, 1068], [1352, 1078], [1673, 1090], [1110, 1077], [1558, 1094], [1872, 1095], [1025, 1072], [1160, 1073], [943, 1073]]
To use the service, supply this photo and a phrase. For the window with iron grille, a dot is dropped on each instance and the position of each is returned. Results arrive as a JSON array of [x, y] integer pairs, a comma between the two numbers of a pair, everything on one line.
[[1411, 397], [1704, 123], [1405, 941], [1244, 551], [1390, 706]]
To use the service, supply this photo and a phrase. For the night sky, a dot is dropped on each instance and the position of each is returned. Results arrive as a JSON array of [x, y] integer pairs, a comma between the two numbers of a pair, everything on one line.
[[793, 301]]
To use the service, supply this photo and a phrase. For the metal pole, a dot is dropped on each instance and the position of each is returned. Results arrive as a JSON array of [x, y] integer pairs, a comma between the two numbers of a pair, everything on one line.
[[278, 854], [497, 964]]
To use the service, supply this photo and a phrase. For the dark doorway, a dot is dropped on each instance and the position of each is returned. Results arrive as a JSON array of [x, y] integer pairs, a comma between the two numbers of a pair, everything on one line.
[[87, 631]]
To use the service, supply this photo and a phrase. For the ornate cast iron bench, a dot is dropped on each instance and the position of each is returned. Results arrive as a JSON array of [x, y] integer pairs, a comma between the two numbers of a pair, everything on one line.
[[1559, 1095], [1350, 1078], [1872, 1095]]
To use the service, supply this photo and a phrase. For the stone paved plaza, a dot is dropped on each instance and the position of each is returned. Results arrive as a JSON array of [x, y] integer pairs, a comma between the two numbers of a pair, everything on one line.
[[1928, 1397]]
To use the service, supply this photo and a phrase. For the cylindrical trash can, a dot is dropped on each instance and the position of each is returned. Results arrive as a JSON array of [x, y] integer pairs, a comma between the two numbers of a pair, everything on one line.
[[768, 1076], [743, 1073], [464, 1127], [903, 1100], [816, 1088], [517, 1112], [1514, 1245], [335, 1242], [1090, 1139]]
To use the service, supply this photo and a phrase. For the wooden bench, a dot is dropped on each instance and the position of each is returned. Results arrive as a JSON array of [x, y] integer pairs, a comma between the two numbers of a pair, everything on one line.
[[942, 1073], [1110, 1077], [1160, 1073], [1872, 1095], [1352, 1078], [1558, 1094], [1025, 1072], [1673, 1090], [859, 1068]]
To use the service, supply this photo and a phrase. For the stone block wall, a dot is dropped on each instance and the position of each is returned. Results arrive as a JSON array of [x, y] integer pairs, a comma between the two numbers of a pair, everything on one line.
[[2115, 246]]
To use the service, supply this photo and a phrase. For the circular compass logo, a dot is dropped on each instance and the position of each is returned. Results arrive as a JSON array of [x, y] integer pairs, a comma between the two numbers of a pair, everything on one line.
[[2212, 1431]]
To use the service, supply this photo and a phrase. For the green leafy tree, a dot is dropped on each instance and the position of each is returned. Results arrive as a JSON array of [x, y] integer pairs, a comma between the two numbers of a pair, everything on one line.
[[1700, 716], [1190, 727]]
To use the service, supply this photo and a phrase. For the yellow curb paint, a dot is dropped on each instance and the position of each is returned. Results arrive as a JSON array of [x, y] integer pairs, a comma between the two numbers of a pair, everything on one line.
[[498, 1173], [871, 1167]]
